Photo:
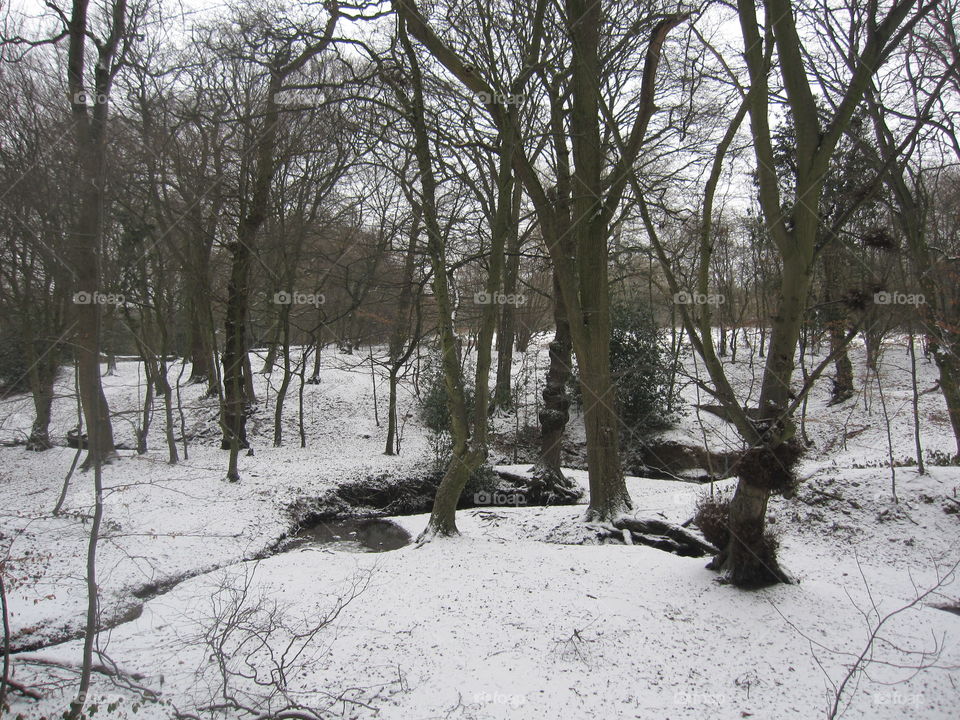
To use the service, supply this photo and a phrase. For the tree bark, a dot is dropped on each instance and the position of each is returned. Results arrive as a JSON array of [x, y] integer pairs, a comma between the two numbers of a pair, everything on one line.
[[83, 244], [401, 336], [201, 328], [506, 330], [591, 334], [549, 484], [287, 375], [836, 317], [469, 438]]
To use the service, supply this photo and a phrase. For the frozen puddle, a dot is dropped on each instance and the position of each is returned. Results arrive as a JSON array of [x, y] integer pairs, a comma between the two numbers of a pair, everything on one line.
[[351, 535]]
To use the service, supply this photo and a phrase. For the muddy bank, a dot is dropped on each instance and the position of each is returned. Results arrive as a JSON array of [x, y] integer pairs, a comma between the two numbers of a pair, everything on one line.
[[361, 535], [673, 460], [383, 495]]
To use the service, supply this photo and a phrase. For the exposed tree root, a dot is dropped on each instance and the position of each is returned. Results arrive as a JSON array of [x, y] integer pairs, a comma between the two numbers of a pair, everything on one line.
[[544, 486]]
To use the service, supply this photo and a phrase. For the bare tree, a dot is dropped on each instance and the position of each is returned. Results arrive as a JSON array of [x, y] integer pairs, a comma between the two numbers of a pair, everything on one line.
[[598, 187], [769, 431]]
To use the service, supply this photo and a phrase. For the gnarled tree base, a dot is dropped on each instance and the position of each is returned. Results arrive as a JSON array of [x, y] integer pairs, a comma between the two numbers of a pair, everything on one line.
[[610, 510], [108, 459], [434, 530], [38, 442], [750, 558], [754, 569]]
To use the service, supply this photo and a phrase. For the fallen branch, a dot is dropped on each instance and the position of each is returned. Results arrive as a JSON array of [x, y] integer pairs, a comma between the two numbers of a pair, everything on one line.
[[23, 690], [657, 534]]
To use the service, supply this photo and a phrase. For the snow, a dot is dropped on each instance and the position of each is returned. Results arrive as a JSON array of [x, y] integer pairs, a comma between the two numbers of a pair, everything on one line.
[[509, 620]]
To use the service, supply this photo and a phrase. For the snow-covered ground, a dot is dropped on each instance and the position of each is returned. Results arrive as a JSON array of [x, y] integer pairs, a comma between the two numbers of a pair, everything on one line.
[[507, 621]]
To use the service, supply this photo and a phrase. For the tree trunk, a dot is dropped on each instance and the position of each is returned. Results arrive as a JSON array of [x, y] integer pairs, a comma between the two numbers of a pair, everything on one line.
[[767, 466], [271, 358], [84, 261], [843, 379], [315, 375], [39, 439], [146, 412], [83, 243], [392, 414], [608, 491], [836, 326], [234, 412], [591, 333], [945, 357], [287, 375], [43, 377], [506, 331], [401, 336], [469, 450], [549, 484], [202, 369]]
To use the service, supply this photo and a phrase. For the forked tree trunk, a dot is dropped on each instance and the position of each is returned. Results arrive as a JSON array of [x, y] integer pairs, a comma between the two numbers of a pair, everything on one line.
[[750, 559], [590, 232], [767, 466], [469, 438], [83, 243]]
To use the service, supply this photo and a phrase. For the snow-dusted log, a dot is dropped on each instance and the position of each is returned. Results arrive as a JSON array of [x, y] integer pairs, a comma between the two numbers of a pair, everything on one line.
[[658, 534]]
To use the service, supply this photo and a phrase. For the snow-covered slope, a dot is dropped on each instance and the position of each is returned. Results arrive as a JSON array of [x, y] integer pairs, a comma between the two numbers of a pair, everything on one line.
[[504, 622]]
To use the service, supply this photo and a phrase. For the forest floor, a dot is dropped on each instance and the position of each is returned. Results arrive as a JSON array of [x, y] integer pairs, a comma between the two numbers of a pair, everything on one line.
[[514, 619]]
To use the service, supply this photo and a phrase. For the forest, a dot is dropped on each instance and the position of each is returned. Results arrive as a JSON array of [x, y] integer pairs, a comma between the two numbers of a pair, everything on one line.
[[491, 359]]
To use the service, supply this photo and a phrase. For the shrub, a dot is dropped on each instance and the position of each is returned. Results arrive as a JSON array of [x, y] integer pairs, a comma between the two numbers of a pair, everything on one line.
[[434, 409], [641, 371], [641, 368], [711, 517], [435, 415]]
